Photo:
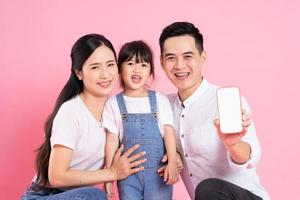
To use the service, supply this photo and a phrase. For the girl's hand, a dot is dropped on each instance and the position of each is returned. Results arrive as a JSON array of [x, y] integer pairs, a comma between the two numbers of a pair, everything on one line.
[[108, 188], [125, 165], [179, 164], [171, 174]]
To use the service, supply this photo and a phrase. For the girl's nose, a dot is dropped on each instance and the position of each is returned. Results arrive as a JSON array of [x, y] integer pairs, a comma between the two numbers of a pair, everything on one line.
[[137, 67]]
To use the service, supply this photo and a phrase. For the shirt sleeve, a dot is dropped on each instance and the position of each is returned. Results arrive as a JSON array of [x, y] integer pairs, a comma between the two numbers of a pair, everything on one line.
[[65, 128], [252, 140], [109, 121], [165, 113]]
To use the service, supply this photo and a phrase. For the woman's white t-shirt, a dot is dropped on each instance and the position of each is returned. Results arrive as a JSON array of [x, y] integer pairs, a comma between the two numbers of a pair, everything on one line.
[[112, 117], [76, 128]]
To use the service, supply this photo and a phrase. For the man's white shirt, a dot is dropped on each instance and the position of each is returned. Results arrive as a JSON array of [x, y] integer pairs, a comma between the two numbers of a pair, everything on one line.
[[204, 155]]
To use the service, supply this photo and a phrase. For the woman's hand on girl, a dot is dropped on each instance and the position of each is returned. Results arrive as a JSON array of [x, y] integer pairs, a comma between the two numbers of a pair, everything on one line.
[[125, 165]]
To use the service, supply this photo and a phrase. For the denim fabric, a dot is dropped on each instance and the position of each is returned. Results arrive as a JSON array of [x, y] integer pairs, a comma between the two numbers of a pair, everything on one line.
[[36, 192], [141, 128], [217, 189]]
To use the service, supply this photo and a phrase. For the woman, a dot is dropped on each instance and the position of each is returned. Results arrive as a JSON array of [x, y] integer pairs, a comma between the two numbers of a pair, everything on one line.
[[71, 158]]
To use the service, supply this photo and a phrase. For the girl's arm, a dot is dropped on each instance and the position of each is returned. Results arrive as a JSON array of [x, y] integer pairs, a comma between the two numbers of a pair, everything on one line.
[[170, 143], [60, 175], [171, 172]]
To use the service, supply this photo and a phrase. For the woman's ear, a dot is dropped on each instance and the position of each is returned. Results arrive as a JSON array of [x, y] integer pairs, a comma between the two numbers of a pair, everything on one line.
[[78, 74]]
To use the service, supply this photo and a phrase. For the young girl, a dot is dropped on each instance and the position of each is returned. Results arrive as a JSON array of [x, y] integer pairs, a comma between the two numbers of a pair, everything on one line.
[[141, 116], [70, 159]]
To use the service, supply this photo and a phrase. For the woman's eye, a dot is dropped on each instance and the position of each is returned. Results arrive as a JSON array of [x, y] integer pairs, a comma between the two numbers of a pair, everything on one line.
[[95, 67]]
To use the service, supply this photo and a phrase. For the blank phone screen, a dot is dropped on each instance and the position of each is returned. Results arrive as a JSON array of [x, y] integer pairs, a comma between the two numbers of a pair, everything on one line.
[[229, 107]]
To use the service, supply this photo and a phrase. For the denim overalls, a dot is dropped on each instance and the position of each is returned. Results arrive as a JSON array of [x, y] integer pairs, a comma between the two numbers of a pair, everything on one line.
[[143, 129]]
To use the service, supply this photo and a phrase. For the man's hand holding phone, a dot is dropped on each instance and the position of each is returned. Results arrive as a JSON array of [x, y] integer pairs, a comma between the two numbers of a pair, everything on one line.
[[232, 124], [230, 139]]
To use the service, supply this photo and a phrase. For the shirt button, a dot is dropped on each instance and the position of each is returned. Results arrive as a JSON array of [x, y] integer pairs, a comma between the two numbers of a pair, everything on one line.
[[191, 174], [182, 115], [182, 135], [186, 155]]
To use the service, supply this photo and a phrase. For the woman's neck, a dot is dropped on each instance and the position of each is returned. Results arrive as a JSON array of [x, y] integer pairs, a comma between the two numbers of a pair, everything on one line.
[[94, 104]]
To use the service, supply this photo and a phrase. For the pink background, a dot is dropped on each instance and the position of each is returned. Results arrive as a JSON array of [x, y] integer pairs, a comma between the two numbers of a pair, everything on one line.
[[253, 44]]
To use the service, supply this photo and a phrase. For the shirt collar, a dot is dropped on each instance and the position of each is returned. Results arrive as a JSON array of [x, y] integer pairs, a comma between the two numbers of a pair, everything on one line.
[[195, 96]]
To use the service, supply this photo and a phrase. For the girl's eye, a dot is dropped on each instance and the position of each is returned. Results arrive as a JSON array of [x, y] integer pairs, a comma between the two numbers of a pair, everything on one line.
[[145, 64], [130, 63]]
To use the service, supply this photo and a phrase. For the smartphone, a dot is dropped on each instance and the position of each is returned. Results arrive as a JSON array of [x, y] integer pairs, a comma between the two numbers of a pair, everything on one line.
[[230, 109]]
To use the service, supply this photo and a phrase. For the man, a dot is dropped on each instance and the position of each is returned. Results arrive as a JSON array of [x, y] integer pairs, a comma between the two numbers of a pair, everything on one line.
[[216, 165]]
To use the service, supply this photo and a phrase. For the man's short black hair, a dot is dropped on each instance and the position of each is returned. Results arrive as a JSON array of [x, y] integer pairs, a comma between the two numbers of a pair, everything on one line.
[[181, 29]]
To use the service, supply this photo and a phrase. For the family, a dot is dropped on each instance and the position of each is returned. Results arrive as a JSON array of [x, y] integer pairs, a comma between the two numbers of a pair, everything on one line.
[[141, 138]]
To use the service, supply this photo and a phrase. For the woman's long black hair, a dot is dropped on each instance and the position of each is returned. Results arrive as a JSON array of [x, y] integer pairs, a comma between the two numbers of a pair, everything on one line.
[[80, 52]]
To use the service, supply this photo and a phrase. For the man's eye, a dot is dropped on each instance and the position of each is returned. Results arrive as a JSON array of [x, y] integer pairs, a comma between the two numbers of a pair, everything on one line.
[[170, 58], [188, 57], [111, 64]]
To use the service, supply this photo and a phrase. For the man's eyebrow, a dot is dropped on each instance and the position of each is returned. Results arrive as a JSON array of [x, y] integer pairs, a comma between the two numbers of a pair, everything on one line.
[[110, 61], [184, 53], [169, 54], [188, 52]]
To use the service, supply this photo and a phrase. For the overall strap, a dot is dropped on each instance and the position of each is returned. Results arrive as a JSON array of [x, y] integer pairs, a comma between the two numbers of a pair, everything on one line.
[[122, 106], [153, 104]]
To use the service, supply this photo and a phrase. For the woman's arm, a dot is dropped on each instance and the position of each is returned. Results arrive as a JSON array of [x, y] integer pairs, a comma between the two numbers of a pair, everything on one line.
[[111, 146], [60, 175]]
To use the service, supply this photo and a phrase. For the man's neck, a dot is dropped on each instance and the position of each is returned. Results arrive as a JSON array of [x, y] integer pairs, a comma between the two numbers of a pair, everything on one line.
[[186, 93]]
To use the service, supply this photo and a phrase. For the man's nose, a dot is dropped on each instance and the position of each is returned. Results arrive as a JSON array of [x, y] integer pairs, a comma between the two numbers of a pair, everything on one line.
[[179, 64]]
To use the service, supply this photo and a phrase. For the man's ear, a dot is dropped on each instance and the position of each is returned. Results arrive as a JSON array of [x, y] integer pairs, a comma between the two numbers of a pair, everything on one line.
[[203, 56], [78, 74], [161, 62]]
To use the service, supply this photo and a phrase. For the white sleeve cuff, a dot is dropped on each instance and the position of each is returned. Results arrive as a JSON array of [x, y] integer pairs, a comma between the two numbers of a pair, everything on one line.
[[236, 166]]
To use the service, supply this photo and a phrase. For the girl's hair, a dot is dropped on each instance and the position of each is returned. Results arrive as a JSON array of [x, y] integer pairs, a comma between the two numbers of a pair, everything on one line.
[[138, 50], [81, 51]]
